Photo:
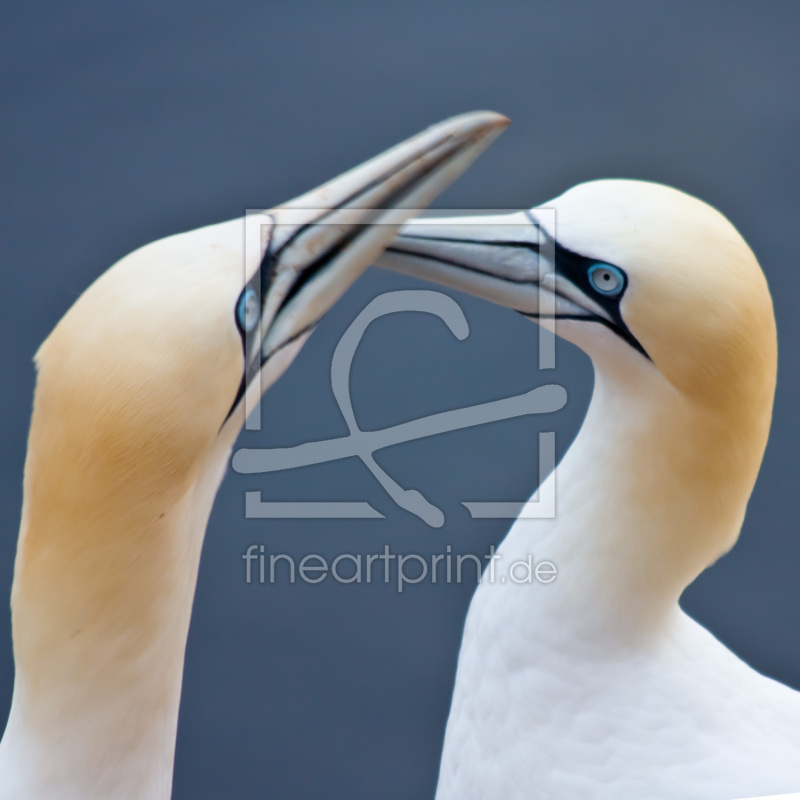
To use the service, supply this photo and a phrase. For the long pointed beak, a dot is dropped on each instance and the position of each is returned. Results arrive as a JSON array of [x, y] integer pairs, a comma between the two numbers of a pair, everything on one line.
[[315, 246], [512, 260], [508, 259], [497, 257]]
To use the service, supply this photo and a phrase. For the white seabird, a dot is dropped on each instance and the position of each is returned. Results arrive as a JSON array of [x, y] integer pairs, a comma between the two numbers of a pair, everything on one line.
[[598, 685], [141, 392]]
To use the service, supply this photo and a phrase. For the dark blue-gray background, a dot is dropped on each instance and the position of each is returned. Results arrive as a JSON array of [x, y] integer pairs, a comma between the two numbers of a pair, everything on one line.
[[125, 122]]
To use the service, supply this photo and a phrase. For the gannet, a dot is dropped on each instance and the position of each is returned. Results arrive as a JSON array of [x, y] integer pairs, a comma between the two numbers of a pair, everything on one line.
[[141, 391], [597, 685]]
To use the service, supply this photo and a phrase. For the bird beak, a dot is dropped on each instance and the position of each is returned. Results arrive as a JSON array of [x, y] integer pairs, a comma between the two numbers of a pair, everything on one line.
[[503, 258], [315, 246], [512, 260]]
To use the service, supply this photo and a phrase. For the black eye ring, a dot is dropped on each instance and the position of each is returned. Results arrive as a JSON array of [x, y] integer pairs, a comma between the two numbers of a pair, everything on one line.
[[248, 310], [606, 279]]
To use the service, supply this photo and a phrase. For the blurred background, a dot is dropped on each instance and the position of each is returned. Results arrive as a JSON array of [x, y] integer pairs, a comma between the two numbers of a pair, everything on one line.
[[125, 122]]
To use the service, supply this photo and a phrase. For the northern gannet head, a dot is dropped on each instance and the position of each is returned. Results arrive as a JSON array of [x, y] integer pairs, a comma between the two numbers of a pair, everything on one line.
[[640, 271], [667, 299], [151, 366]]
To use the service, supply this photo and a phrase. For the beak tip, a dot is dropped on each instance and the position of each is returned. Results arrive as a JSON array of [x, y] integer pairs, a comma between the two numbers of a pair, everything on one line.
[[484, 121], [476, 126]]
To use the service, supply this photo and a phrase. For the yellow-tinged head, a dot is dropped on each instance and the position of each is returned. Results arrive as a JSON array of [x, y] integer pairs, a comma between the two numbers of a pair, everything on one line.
[[152, 366], [139, 376], [623, 267], [695, 297]]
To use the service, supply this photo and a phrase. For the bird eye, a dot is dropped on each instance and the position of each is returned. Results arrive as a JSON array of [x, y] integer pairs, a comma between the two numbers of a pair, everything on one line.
[[607, 279], [248, 310]]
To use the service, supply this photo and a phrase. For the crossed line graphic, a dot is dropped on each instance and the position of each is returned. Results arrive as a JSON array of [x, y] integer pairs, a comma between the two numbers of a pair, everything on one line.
[[364, 444]]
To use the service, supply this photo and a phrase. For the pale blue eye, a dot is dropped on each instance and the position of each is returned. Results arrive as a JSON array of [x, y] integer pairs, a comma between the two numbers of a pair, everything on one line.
[[248, 310], [607, 279]]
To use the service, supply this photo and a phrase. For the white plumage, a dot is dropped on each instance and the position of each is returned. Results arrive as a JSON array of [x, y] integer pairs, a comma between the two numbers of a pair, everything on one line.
[[141, 392], [598, 685]]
